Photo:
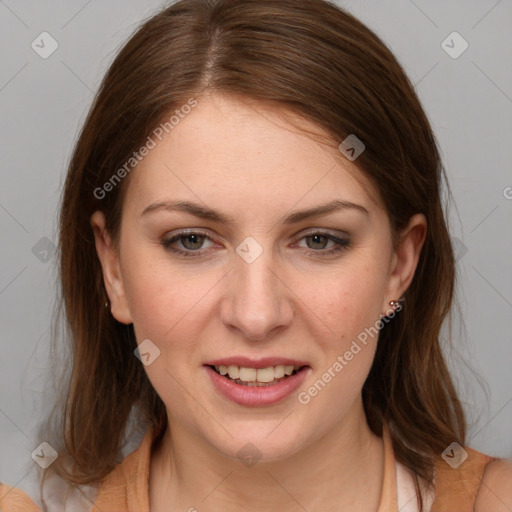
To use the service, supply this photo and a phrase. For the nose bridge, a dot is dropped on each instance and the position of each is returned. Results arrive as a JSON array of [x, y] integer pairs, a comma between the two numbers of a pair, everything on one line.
[[257, 300]]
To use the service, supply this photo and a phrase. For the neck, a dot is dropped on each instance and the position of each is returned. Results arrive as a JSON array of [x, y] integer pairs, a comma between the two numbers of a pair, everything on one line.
[[341, 470]]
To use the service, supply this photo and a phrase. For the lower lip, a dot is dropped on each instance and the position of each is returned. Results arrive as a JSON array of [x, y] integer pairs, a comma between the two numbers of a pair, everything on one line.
[[253, 395]]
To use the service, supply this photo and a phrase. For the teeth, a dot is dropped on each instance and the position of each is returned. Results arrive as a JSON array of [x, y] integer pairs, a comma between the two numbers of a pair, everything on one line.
[[247, 374], [288, 370], [263, 375], [233, 372], [279, 371]]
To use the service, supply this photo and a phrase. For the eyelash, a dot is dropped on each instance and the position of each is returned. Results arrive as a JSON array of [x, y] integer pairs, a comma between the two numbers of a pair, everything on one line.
[[341, 243]]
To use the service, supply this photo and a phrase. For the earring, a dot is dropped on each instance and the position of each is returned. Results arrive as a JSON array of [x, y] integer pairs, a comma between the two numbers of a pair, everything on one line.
[[395, 304]]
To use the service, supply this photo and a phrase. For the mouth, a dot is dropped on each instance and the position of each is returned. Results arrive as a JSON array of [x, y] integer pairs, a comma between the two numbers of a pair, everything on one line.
[[257, 377], [259, 383]]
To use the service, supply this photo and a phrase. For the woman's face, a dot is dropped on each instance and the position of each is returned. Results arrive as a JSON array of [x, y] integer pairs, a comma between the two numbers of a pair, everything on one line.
[[269, 284]]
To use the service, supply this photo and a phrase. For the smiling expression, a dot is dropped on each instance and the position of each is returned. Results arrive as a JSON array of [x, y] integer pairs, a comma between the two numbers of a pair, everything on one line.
[[241, 237]]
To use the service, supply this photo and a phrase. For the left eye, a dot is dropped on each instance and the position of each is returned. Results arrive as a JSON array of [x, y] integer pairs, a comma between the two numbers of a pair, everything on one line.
[[193, 241], [319, 236]]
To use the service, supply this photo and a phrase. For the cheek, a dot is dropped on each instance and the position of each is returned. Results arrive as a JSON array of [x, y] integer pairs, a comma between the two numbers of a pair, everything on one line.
[[347, 351], [347, 301], [160, 306], [169, 307], [165, 299]]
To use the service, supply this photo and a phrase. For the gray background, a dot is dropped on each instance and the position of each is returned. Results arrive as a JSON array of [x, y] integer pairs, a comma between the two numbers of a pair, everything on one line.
[[43, 103]]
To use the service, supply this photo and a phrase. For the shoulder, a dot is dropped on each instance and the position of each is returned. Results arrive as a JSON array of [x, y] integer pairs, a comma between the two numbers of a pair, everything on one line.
[[458, 478], [15, 500], [495, 491]]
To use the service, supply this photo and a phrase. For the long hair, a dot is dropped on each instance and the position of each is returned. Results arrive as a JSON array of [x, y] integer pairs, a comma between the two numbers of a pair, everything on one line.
[[306, 57]]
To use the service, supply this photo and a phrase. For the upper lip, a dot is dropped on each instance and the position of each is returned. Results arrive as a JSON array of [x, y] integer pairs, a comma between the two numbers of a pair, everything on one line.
[[247, 362]]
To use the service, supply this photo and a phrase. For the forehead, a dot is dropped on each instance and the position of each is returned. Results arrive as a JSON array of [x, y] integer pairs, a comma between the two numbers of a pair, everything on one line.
[[227, 149]]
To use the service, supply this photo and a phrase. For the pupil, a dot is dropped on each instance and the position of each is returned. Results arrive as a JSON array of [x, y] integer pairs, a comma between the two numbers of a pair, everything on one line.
[[195, 237], [316, 237]]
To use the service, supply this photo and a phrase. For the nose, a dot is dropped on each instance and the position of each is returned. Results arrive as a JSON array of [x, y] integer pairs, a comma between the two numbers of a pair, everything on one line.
[[258, 302]]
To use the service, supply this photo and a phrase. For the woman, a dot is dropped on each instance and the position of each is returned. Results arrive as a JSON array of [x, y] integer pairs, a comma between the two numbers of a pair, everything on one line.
[[255, 268]]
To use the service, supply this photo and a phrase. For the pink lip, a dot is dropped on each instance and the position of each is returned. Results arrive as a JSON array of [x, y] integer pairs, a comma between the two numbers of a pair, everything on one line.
[[265, 362], [257, 396]]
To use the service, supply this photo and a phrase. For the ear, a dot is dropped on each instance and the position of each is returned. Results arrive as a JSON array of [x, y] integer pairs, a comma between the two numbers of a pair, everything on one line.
[[404, 259], [112, 276]]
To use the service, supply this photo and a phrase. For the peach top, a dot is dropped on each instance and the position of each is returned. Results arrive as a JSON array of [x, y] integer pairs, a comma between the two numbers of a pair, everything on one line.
[[125, 489]]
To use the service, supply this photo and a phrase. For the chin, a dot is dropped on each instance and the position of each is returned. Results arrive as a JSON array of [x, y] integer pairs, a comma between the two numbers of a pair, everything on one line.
[[257, 445]]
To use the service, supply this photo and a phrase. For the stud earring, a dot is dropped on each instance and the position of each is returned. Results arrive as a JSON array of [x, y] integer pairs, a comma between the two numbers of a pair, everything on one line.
[[395, 304]]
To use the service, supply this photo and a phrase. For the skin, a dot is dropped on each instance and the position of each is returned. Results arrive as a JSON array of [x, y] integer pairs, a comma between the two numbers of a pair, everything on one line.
[[495, 493], [246, 160]]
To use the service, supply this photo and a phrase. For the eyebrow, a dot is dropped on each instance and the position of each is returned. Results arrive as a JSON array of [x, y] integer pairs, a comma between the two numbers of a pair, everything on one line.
[[211, 214]]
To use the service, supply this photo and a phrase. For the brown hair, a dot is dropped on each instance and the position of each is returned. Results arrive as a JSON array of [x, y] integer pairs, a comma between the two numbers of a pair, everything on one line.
[[306, 57]]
